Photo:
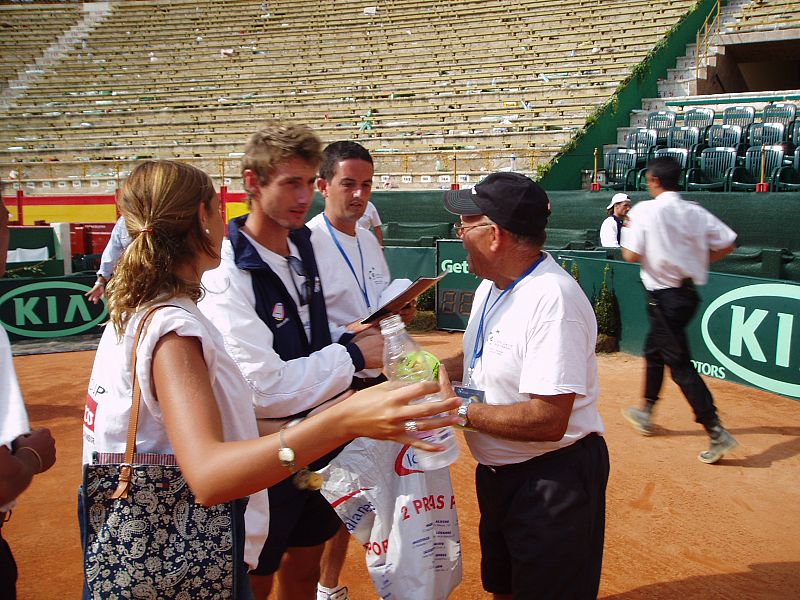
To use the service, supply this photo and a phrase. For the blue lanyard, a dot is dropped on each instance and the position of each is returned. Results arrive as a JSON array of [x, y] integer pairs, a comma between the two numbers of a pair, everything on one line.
[[477, 350], [363, 289]]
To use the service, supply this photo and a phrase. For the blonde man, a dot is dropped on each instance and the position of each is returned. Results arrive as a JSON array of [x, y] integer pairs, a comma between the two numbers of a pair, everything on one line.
[[266, 299]]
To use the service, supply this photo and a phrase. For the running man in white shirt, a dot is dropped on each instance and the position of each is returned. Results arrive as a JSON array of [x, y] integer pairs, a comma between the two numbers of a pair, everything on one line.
[[675, 240], [535, 431]]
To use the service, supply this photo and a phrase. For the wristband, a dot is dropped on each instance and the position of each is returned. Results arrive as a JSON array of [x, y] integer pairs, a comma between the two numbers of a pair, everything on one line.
[[100, 282], [36, 454]]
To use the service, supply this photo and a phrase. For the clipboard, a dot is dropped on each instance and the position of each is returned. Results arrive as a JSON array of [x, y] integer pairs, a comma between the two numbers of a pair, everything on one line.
[[400, 300]]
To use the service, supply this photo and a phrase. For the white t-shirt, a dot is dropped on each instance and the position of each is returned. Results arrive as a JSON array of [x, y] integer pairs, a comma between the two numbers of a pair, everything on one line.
[[539, 339], [13, 417], [608, 233], [370, 218], [673, 238], [108, 402], [344, 299]]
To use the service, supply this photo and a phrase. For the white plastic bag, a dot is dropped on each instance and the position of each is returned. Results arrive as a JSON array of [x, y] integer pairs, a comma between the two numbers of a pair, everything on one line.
[[404, 517]]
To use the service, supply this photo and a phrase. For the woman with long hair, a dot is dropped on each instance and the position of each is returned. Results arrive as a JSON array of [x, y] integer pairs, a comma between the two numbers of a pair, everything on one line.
[[195, 404]]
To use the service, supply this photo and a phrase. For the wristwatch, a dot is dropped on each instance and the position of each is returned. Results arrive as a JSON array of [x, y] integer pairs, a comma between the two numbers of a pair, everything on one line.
[[462, 415]]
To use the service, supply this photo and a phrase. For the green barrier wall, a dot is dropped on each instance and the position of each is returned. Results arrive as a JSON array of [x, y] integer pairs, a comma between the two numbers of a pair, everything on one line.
[[410, 263], [761, 220], [49, 307]]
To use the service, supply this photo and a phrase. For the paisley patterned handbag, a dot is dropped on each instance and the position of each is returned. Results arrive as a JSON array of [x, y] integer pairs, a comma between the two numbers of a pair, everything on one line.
[[144, 535]]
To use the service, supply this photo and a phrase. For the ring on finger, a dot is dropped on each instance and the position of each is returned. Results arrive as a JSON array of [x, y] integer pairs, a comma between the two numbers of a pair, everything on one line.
[[411, 426]]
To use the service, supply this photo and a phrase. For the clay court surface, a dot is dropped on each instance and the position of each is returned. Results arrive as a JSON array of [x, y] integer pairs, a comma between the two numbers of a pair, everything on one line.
[[676, 528]]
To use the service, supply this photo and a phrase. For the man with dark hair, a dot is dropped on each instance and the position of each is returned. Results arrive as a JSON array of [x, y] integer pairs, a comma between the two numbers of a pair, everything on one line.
[[266, 299], [674, 240], [535, 429], [354, 274]]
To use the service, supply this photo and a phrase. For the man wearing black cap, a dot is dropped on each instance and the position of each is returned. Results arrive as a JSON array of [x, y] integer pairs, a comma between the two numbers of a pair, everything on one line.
[[536, 432]]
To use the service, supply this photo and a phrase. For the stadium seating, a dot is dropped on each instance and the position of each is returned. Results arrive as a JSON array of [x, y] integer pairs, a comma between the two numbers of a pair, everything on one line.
[[418, 82], [620, 169], [787, 179], [679, 154], [25, 34], [767, 16]]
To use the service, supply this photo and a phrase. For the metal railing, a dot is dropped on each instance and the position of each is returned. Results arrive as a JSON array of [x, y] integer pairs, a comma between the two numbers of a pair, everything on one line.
[[711, 26]]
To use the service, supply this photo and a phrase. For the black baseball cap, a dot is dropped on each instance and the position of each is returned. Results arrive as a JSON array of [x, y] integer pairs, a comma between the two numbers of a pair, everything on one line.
[[511, 200]]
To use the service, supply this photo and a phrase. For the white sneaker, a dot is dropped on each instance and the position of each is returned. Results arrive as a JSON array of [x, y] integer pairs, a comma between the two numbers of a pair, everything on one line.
[[338, 593]]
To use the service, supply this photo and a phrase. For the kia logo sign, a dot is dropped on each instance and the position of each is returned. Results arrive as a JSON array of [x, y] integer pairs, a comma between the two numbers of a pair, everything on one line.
[[49, 309], [751, 331]]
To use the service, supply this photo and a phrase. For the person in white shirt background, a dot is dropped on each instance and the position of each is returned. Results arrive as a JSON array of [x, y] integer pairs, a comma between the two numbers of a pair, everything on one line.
[[611, 229], [675, 240], [23, 453], [119, 240]]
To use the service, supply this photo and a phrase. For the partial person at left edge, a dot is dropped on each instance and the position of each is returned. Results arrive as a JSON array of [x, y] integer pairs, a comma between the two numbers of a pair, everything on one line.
[[23, 453]]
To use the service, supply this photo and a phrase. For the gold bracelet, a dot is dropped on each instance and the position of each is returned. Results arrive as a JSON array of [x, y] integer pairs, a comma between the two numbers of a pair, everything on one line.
[[36, 454]]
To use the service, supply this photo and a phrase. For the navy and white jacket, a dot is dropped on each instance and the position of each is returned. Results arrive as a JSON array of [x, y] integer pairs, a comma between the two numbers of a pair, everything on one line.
[[288, 373]]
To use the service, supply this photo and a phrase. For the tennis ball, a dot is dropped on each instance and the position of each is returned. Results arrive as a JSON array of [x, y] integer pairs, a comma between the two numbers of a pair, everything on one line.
[[415, 363]]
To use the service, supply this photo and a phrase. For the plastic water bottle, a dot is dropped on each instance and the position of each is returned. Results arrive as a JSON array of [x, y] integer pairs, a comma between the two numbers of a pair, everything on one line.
[[406, 362]]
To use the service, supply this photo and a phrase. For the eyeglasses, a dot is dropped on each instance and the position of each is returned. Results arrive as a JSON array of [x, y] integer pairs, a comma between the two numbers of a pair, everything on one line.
[[460, 228], [304, 292]]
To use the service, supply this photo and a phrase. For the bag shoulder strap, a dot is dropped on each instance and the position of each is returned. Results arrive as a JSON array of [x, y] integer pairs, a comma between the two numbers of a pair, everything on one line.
[[126, 468]]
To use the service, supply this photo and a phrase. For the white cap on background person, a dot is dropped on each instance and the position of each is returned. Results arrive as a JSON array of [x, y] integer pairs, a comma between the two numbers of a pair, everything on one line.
[[616, 199]]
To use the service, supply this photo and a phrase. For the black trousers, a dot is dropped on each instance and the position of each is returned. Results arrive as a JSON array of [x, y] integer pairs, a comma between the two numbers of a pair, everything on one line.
[[670, 311], [8, 572], [542, 523]]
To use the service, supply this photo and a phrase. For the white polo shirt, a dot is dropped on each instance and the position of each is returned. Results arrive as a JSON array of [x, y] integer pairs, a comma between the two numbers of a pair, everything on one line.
[[539, 339], [674, 238]]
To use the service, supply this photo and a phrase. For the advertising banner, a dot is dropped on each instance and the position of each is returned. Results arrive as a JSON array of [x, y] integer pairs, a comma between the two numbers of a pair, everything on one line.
[[49, 307], [746, 329]]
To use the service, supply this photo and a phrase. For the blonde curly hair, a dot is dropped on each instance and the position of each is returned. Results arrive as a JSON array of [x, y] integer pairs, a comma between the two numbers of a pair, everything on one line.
[[160, 201]]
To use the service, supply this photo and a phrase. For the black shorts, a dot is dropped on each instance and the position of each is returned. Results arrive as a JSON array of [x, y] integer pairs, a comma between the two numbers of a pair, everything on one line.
[[297, 518], [543, 523]]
